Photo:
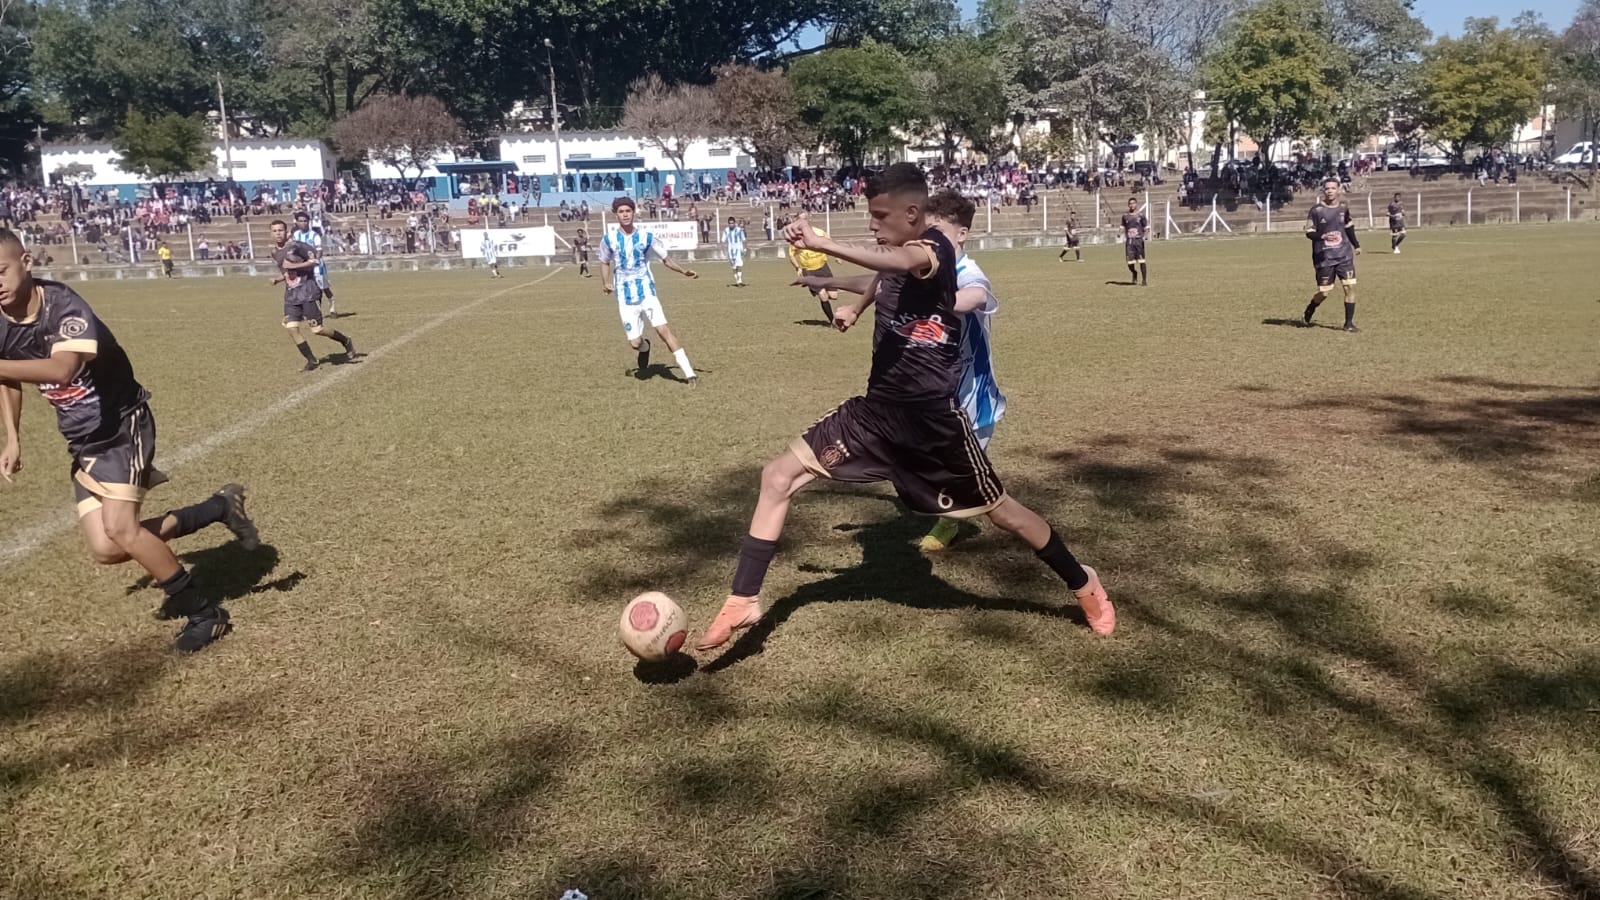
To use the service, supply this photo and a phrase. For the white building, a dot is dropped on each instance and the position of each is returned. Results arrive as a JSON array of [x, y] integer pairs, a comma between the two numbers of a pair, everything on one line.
[[254, 161]]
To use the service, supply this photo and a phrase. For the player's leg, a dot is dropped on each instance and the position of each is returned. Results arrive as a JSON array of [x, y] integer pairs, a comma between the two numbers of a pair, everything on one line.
[[1083, 581], [291, 324], [1132, 258], [944, 530], [1324, 284], [633, 325], [1144, 271], [679, 355], [1349, 285]]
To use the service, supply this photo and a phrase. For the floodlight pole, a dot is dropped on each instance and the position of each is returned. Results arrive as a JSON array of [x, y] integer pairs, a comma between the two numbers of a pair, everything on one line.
[[555, 111], [227, 139]]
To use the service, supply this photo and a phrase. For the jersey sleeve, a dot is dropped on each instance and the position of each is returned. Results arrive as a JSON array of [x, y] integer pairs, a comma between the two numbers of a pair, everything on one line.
[[970, 276], [606, 256], [655, 248], [74, 327]]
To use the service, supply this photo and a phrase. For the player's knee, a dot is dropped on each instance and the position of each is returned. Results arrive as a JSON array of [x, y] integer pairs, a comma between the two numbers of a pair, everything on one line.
[[120, 534], [780, 477], [318, 329]]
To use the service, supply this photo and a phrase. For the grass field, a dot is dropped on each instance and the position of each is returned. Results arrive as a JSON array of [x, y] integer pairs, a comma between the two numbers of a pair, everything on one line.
[[1358, 577]]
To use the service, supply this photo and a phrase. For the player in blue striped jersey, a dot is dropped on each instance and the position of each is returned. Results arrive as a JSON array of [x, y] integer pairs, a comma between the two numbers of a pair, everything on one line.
[[977, 391], [733, 237], [625, 256], [312, 237]]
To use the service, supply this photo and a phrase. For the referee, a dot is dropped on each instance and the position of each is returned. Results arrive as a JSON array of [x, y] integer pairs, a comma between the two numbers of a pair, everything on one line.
[[815, 263]]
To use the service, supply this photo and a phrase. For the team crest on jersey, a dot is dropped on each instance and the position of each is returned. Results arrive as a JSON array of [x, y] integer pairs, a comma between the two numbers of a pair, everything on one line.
[[62, 396], [928, 332], [1133, 232], [833, 454], [1333, 238], [73, 326]]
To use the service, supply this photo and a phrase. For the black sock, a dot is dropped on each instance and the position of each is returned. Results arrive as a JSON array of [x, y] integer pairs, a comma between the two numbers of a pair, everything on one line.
[[1144, 272], [1133, 272], [206, 512], [827, 310], [1078, 254], [335, 336], [305, 350], [755, 555], [1399, 240], [183, 597], [1056, 555], [1349, 313], [1063, 255]]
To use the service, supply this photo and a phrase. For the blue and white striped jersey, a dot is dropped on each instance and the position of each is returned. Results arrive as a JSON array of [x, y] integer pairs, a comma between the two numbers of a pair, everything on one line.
[[734, 238], [629, 255], [308, 237], [978, 392]]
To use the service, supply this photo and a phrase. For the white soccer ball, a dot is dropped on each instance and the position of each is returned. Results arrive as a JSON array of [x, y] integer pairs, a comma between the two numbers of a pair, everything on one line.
[[653, 626]]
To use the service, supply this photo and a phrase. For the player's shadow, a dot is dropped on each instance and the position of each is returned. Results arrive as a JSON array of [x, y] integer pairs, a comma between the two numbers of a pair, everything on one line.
[[229, 572], [342, 359], [660, 370], [1300, 323], [1123, 283], [813, 322], [891, 569]]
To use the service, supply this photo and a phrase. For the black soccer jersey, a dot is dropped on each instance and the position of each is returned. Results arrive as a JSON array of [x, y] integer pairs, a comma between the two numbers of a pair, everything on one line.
[[92, 406], [1332, 233], [293, 252], [916, 338], [1397, 215], [1134, 226]]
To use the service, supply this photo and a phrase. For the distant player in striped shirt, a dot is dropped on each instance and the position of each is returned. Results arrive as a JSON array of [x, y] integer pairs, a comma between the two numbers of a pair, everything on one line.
[[977, 390], [733, 237], [625, 269], [312, 237]]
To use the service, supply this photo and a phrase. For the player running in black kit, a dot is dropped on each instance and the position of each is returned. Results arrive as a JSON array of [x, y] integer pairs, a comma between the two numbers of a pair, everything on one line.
[[50, 337], [1134, 229], [1074, 240], [1397, 225], [297, 263], [1333, 251], [580, 252], [909, 429]]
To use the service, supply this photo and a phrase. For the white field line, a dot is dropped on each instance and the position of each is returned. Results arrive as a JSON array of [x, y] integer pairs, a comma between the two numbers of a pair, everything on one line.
[[32, 538]]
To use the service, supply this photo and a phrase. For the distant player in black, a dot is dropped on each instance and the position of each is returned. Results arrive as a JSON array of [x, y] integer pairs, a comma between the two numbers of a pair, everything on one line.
[[1333, 251], [1074, 240], [909, 429], [297, 263], [51, 338], [580, 252], [1397, 224], [1134, 229]]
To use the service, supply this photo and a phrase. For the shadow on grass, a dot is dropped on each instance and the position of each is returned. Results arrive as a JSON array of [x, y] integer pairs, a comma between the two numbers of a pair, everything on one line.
[[657, 370], [229, 572]]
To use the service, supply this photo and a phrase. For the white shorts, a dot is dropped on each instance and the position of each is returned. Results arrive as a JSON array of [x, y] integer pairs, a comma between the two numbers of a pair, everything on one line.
[[641, 316], [736, 260]]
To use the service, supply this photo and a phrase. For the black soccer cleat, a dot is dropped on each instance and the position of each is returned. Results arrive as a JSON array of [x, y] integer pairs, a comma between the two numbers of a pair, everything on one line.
[[349, 348], [1310, 311], [644, 356], [310, 366], [1351, 327], [202, 629], [235, 518]]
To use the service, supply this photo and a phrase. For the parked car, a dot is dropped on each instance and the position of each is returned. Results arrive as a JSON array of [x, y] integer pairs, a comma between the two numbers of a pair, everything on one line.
[[1582, 153]]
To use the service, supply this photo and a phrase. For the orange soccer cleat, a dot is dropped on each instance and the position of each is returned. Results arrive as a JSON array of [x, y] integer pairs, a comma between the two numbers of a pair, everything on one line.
[[1096, 605], [737, 613]]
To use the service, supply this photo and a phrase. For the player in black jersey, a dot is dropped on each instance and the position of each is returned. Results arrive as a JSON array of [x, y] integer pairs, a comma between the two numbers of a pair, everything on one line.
[[1134, 229], [297, 265], [1074, 240], [1397, 224], [1333, 251], [908, 429], [51, 338]]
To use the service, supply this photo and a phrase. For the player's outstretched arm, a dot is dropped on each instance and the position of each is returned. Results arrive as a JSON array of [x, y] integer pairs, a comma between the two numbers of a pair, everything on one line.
[[971, 298], [913, 258], [672, 264], [845, 315], [60, 368], [11, 411]]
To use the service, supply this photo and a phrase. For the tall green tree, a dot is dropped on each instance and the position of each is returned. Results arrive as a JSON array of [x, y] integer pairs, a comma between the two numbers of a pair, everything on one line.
[[1478, 88], [18, 112], [1577, 74], [756, 108], [669, 116], [164, 145], [408, 133], [961, 87], [856, 98], [1382, 43], [1276, 73]]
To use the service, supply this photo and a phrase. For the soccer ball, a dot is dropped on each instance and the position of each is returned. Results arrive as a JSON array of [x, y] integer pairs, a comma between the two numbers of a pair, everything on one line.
[[653, 626]]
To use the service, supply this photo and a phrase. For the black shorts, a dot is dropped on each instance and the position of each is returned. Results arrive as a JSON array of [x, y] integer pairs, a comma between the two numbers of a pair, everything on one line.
[[1342, 272], [1397, 228], [121, 467], [820, 272], [1073, 241], [1134, 251], [303, 307], [930, 455]]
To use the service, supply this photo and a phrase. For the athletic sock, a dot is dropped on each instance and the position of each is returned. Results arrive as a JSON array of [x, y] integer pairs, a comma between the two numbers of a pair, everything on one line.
[[1056, 555], [1062, 255], [1349, 313], [1400, 240], [1078, 255], [1394, 243], [193, 518], [1133, 271], [681, 356], [1144, 272], [827, 310], [755, 555], [183, 597], [305, 350], [335, 336]]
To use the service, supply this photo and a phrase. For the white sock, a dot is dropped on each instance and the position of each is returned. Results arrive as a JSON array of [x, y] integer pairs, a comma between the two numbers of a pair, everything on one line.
[[682, 359]]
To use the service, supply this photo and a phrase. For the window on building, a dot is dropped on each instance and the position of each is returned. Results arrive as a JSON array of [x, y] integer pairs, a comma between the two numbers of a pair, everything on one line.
[[535, 158], [577, 156], [721, 151]]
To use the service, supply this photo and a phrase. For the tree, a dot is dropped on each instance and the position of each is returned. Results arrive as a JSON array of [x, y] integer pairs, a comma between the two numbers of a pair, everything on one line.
[[18, 115], [1478, 88], [907, 25], [757, 109], [408, 133], [1275, 73], [1577, 74], [959, 92], [163, 145], [670, 116], [856, 98], [1382, 43]]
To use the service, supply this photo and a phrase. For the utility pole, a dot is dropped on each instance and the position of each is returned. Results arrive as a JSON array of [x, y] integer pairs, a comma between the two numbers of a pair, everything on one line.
[[227, 139], [555, 112]]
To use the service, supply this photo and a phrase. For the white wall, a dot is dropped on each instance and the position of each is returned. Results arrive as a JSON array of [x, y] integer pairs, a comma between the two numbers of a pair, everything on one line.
[[252, 161], [535, 154]]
